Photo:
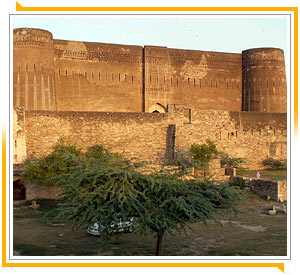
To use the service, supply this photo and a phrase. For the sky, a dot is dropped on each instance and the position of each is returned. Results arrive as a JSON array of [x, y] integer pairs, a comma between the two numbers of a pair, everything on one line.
[[212, 33]]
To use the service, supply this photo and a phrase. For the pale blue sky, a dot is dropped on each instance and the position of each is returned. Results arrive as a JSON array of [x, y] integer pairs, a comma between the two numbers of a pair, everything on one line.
[[222, 33]]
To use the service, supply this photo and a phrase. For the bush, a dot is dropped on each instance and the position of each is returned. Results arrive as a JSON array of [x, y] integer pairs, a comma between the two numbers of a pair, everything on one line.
[[230, 162], [204, 153], [64, 159], [275, 164]]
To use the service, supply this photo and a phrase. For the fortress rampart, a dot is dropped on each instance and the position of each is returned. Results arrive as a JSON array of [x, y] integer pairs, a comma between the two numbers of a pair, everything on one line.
[[264, 80], [96, 93], [152, 137], [63, 75], [34, 80]]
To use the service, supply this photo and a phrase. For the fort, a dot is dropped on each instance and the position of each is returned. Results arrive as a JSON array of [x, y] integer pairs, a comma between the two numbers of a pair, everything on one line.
[[146, 101]]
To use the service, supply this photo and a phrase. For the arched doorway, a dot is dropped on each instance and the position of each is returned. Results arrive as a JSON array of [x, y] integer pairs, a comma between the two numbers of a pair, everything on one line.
[[157, 108], [19, 191]]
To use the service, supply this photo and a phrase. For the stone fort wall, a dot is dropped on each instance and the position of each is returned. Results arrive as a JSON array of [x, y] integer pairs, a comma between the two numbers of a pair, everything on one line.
[[152, 136], [63, 75], [96, 93]]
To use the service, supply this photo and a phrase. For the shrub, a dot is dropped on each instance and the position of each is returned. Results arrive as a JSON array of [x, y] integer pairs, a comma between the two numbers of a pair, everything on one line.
[[64, 159], [203, 154], [274, 164], [230, 162]]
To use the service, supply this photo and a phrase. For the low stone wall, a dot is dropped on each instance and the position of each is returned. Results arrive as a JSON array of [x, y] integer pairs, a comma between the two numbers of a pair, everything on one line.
[[282, 190], [37, 191], [275, 190]]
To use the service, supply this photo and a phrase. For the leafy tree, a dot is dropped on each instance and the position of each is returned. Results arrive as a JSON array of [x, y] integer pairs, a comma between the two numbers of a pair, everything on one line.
[[63, 160], [203, 154], [103, 187], [182, 163], [230, 162], [158, 202]]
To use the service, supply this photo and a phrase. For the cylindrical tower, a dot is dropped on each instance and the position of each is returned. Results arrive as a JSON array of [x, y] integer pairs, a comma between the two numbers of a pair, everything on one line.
[[264, 81], [33, 65]]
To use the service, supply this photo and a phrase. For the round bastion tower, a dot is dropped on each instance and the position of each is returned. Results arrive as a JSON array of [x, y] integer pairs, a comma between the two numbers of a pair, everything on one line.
[[264, 81], [33, 62]]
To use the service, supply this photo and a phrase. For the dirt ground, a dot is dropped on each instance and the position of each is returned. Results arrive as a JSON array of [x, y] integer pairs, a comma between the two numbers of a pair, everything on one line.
[[251, 233]]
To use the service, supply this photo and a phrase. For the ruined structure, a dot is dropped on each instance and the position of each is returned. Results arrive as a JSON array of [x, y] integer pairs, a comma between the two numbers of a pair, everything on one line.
[[146, 101]]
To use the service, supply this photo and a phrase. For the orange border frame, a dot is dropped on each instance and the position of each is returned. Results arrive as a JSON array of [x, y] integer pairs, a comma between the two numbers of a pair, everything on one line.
[[21, 8]]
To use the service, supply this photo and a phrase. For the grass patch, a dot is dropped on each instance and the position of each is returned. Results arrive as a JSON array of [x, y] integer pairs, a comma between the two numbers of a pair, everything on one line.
[[267, 174]]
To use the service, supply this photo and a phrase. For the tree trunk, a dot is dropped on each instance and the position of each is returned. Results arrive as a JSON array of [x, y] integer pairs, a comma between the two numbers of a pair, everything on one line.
[[158, 245]]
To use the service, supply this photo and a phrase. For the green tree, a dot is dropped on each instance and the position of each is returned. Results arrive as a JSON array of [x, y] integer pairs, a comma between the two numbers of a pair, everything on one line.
[[63, 160], [158, 202], [203, 154], [231, 162]]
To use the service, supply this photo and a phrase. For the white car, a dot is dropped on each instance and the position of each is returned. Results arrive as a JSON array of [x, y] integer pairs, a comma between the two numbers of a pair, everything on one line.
[[121, 226]]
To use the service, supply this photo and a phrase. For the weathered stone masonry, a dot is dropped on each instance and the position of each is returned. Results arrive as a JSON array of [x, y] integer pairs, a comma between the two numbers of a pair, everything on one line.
[[96, 93], [64, 75], [149, 136]]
